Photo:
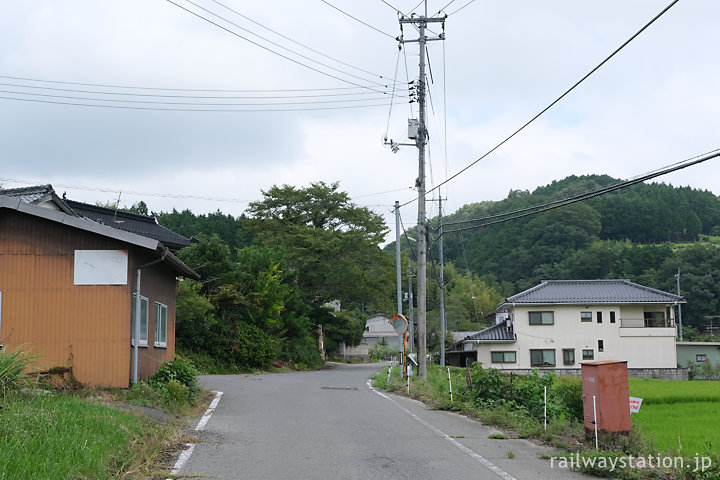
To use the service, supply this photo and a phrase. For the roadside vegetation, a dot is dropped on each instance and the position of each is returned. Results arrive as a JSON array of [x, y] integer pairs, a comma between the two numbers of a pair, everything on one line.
[[515, 405], [49, 432]]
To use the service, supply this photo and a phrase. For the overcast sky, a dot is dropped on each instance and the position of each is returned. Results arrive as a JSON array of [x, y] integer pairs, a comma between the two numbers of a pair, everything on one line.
[[656, 103]]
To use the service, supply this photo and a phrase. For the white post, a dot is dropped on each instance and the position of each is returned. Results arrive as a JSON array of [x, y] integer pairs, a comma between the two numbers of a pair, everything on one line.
[[408, 384], [450, 382], [595, 422], [545, 406]]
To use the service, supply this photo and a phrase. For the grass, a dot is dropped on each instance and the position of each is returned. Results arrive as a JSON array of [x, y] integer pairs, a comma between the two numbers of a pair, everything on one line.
[[58, 436], [673, 409]]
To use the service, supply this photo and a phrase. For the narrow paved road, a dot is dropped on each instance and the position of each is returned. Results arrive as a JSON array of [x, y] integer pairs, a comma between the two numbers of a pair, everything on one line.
[[330, 424]]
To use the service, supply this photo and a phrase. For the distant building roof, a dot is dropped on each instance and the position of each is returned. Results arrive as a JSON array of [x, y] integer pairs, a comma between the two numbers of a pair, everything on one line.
[[143, 225], [147, 226], [459, 336], [555, 292], [500, 333]]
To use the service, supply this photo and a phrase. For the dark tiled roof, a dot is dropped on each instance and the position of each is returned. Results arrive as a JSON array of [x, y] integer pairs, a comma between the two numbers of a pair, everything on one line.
[[592, 291], [130, 222], [499, 333], [37, 195]]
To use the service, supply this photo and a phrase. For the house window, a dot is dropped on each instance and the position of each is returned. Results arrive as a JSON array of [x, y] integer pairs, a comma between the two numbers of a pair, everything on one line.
[[599, 317], [541, 318], [601, 346], [143, 321], [701, 357], [586, 316], [503, 357], [568, 356], [160, 325], [588, 355], [612, 317], [542, 358]]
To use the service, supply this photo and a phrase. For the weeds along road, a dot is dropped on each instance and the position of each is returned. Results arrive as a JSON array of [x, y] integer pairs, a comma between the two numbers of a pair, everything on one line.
[[330, 424]]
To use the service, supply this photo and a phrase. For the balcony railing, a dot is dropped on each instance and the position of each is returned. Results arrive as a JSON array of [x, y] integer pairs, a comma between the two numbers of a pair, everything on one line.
[[646, 322]]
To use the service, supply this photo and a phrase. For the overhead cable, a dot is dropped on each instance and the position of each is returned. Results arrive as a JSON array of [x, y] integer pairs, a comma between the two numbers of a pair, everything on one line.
[[535, 209], [554, 102], [357, 19]]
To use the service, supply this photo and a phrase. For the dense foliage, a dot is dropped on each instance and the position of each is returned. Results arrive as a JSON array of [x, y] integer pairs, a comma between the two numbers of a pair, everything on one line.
[[643, 233]]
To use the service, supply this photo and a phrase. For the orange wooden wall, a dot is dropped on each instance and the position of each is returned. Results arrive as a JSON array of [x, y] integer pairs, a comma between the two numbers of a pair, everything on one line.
[[86, 326]]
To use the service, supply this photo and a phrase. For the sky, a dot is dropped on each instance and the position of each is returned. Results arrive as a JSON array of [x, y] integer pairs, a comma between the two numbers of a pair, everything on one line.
[[300, 92]]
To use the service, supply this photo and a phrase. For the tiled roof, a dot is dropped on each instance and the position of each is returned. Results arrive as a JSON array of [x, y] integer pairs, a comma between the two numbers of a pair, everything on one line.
[[130, 222], [499, 333], [37, 195], [592, 292]]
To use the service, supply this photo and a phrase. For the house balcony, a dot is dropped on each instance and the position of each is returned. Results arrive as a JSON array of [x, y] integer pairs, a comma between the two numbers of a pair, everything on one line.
[[647, 322]]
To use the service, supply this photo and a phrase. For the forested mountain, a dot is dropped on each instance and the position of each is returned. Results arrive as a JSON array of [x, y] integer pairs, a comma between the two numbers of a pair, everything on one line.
[[643, 233]]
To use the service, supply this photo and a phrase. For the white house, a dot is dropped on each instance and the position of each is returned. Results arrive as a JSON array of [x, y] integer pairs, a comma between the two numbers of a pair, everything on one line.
[[379, 328], [560, 323]]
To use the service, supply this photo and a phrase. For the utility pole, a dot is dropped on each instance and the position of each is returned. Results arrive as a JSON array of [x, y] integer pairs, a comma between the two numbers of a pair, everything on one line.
[[397, 258], [442, 285], [679, 306], [421, 23], [411, 319]]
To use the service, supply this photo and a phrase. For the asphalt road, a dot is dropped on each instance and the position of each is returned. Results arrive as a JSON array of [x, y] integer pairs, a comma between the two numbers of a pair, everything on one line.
[[330, 424]]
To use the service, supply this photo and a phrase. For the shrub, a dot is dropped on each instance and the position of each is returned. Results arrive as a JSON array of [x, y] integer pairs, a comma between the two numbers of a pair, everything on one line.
[[567, 393], [253, 348], [180, 371], [12, 368]]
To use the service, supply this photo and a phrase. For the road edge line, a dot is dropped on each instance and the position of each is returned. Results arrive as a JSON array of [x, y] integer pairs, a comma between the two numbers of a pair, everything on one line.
[[467, 451], [190, 447]]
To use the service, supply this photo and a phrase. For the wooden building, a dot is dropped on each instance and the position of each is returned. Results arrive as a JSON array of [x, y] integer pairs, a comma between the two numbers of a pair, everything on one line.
[[67, 286]]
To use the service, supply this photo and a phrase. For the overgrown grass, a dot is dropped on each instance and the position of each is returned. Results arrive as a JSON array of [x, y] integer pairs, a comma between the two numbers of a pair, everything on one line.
[[56, 436]]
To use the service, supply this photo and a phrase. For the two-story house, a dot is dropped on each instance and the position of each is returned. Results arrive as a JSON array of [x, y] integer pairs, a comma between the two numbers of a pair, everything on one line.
[[560, 323]]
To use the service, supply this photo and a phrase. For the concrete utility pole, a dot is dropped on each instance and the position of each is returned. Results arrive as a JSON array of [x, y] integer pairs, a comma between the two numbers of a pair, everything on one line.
[[411, 319], [421, 23], [679, 306], [397, 258], [442, 284]]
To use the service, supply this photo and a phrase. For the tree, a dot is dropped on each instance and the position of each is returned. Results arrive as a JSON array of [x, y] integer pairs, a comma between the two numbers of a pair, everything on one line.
[[331, 243]]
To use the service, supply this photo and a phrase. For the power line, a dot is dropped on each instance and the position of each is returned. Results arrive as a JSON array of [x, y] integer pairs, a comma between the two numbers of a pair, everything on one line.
[[182, 109], [204, 97], [296, 42], [357, 19], [266, 40], [456, 11], [525, 212], [271, 50], [135, 87], [554, 102]]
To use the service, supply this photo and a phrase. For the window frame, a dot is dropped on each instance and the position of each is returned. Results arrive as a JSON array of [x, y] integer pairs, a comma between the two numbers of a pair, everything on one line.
[[585, 355], [698, 355], [144, 302], [601, 345], [599, 317], [542, 317], [586, 316], [543, 352], [567, 361], [504, 354], [612, 316], [160, 333]]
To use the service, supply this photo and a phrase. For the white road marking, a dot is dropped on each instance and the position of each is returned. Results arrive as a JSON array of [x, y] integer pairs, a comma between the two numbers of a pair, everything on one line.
[[190, 447], [479, 458]]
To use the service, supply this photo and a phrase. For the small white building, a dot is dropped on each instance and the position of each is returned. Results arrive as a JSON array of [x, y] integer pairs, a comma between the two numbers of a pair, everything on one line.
[[560, 323], [378, 329]]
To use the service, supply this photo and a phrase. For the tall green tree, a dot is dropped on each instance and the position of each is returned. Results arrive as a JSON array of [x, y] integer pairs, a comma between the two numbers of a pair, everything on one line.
[[330, 242]]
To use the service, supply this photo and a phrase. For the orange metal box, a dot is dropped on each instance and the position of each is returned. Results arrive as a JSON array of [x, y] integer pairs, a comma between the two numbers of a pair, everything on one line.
[[607, 382]]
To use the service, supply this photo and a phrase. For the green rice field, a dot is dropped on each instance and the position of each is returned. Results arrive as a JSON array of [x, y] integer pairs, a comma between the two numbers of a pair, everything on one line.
[[672, 409]]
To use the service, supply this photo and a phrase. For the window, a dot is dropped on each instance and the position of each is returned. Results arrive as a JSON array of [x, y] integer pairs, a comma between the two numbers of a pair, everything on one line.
[[586, 316], [612, 317], [601, 346], [568, 356], [160, 325], [588, 355], [599, 317], [701, 357], [143, 321], [541, 318], [542, 358], [503, 357]]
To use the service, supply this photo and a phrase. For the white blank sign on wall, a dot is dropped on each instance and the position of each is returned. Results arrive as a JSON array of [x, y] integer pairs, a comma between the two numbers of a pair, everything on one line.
[[101, 267]]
